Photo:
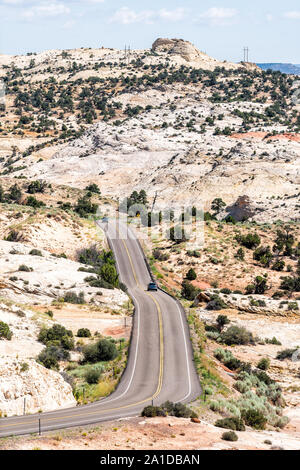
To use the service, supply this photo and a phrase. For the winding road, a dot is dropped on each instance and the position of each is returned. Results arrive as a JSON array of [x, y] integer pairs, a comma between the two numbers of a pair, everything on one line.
[[160, 362]]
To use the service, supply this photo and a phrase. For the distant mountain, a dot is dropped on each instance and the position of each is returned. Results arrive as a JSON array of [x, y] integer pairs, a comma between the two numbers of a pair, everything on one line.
[[293, 69]]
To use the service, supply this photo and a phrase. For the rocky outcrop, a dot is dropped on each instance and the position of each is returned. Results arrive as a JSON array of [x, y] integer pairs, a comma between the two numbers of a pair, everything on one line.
[[258, 304], [243, 209], [30, 383], [179, 47]]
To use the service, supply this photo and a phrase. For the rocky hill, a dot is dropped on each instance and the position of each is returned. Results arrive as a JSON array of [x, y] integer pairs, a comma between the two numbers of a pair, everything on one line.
[[171, 120]]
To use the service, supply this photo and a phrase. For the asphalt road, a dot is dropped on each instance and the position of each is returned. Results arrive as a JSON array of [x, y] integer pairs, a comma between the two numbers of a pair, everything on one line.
[[160, 363]]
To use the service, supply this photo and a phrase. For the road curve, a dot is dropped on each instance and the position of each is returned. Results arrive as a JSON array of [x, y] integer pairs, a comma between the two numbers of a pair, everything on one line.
[[160, 363]]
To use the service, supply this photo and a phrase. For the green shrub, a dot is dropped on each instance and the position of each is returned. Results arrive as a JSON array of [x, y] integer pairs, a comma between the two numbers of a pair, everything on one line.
[[216, 303], [5, 331], [51, 355], [153, 411], [264, 363], [57, 334], [191, 275], [286, 354], [109, 274], [25, 269], [84, 333], [13, 236], [254, 418], [84, 207], [188, 291], [93, 188], [103, 350], [273, 341], [263, 255], [92, 376], [73, 298], [230, 436], [251, 240], [233, 423], [35, 252], [237, 335]]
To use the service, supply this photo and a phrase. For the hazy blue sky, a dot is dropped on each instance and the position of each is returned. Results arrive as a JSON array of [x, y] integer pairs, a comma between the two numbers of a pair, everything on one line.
[[220, 28]]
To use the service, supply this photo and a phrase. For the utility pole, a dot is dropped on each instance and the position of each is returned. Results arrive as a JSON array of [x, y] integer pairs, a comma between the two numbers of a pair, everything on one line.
[[24, 407], [246, 54]]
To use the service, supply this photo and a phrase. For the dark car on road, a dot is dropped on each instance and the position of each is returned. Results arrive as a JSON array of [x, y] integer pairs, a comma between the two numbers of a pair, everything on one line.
[[152, 286]]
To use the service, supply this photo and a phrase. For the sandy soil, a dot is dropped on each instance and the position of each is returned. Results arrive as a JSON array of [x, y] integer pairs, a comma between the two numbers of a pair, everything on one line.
[[157, 434]]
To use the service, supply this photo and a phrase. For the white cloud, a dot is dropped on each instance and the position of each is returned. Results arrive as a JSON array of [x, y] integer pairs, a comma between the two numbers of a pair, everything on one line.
[[218, 16], [172, 15], [127, 16], [45, 9], [292, 15]]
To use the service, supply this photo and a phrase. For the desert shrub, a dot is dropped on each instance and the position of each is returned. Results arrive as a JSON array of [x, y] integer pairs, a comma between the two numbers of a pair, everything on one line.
[[25, 269], [73, 298], [286, 354], [188, 291], [273, 341], [263, 255], [153, 411], [191, 275], [178, 409], [230, 436], [93, 188], [216, 303], [109, 274], [278, 265], [33, 202], [237, 335], [36, 187], [227, 358], [103, 350], [222, 320], [233, 423], [98, 282], [182, 411], [259, 286], [24, 367], [293, 306], [5, 331], [159, 255], [35, 252], [84, 207], [58, 335], [291, 284], [92, 376], [84, 333], [254, 418], [240, 254], [225, 291], [251, 240], [51, 355], [264, 363]]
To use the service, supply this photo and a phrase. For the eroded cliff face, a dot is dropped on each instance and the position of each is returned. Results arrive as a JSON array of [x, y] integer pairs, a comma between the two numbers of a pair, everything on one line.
[[27, 383]]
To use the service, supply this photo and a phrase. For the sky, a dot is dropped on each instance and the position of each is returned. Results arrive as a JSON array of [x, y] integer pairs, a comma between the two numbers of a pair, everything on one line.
[[220, 28]]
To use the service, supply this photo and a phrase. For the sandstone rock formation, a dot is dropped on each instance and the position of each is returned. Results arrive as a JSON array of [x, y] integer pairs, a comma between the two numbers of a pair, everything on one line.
[[179, 47], [243, 209], [42, 389]]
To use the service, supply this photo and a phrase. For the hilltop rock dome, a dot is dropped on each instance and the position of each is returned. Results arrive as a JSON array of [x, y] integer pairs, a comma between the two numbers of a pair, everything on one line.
[[179, 47]]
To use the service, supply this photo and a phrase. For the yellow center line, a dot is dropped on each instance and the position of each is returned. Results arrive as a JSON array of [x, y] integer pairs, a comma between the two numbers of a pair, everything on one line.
[[161, 367]]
